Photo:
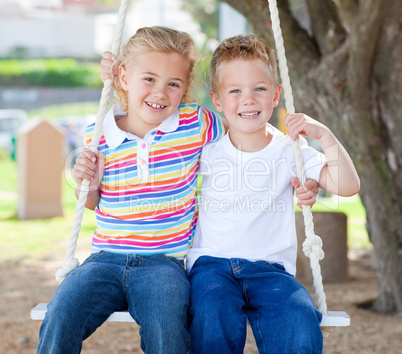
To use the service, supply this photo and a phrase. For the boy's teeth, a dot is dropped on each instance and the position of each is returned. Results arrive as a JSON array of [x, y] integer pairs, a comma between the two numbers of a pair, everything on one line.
[[248, 114]]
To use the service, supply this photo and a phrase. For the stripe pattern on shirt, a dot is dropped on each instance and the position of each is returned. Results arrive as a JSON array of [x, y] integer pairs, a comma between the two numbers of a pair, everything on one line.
[[156, 214]]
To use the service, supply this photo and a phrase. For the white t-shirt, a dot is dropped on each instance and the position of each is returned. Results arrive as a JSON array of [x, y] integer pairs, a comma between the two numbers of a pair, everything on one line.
[[246, 207]]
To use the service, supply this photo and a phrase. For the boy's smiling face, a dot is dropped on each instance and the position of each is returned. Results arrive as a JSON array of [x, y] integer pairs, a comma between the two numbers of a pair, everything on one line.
[[246, 95]]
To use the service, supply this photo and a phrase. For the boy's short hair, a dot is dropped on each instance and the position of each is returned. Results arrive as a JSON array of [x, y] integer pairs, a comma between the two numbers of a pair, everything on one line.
[[248, 47], [159, 39]]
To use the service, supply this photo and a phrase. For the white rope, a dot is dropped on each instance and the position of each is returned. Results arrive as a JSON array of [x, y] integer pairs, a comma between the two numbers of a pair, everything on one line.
[[312, 246], [71, 262]]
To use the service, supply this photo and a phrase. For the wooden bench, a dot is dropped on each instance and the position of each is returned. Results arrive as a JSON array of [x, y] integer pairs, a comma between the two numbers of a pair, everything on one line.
[[332, 319]]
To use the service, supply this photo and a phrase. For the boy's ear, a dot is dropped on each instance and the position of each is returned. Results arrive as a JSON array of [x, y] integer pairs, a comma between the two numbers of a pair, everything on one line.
[[123, 77], [277, 94], [216, 102]]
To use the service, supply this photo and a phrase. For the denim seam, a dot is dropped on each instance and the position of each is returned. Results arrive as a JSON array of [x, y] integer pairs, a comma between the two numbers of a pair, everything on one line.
[[172, 261], [93, 257], [131, 306], [235, 269], [95, 310], [257, 327], [245, 293]]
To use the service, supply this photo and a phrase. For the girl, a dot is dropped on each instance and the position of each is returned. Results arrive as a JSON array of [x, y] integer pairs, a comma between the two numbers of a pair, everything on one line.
[[143, 191]]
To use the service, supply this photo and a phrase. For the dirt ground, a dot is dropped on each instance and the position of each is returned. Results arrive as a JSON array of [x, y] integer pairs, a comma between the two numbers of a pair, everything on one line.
[[25, 283]]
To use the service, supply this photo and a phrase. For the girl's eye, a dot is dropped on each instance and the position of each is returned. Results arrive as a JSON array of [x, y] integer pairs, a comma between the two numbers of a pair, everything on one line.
[[174, 84], [150, 79]]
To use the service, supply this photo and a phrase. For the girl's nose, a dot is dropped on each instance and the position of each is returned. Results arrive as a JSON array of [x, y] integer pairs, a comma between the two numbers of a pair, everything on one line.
[[159, 92]]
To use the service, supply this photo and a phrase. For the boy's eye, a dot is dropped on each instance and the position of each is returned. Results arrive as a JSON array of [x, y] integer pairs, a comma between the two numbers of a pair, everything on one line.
[[260, 89], [235, 91]]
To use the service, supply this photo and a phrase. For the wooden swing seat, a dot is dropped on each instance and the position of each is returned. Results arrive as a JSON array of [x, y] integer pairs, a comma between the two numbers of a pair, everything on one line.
[[332, 319]]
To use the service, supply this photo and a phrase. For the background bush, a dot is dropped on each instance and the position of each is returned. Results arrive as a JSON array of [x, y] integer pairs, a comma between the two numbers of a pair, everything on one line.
[[49, 73]]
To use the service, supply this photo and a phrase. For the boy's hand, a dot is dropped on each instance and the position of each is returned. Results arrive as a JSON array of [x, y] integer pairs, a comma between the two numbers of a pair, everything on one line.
[[89, 166], [109, 66], [307, 193], [299, 123]]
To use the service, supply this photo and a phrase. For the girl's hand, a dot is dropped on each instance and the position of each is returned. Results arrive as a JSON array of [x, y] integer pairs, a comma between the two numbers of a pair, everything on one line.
[[109, 66], [307, 193], [89, 166], [299, 123]]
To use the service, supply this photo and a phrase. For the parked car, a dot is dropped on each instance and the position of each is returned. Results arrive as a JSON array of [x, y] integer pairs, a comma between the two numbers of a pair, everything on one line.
[[10, 121]]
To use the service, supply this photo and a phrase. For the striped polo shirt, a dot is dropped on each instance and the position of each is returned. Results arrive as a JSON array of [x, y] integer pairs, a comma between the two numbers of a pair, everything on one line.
[[148, 190]]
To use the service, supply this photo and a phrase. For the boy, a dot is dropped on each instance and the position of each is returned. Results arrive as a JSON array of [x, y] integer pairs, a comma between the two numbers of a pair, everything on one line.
[[242, 262]]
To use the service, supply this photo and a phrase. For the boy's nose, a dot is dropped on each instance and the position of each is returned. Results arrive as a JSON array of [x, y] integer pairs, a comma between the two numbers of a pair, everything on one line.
[[248, 99]]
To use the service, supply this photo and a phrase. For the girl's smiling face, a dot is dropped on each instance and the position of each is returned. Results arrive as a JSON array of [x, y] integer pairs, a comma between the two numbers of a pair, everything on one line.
[[155, 83]]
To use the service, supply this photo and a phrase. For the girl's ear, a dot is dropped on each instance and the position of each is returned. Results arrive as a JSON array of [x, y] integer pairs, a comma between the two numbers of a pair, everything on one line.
[[277, 94], [216, 101], [123, 78]]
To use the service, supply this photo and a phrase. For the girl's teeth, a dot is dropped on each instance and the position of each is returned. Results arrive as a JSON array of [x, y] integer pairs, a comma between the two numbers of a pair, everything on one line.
[[153, 105]]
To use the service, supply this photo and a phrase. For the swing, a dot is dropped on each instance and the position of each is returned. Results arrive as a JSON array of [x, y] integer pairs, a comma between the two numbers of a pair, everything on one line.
[[312, 246]]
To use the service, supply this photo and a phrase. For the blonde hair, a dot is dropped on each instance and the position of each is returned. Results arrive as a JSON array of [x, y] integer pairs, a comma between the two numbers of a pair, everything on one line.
[[160, 39], [248, 47]]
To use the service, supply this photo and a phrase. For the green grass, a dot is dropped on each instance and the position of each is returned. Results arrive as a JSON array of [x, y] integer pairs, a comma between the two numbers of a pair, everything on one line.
[[64, 110], [353, 208], [35, 238], [8, 176]]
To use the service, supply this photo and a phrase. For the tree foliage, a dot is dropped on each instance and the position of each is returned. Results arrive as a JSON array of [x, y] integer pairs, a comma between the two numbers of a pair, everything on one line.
[[49, 73]]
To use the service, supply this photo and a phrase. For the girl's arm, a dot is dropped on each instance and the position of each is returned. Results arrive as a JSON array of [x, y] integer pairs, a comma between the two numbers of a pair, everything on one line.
[[90, 167], [339, 175]]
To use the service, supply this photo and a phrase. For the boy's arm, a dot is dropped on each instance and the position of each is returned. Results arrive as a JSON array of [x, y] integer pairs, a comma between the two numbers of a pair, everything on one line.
[[339, 175], [90, 167]]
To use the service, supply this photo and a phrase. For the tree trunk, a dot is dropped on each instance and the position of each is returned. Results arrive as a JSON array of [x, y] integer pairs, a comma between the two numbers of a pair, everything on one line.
[[346, 72]]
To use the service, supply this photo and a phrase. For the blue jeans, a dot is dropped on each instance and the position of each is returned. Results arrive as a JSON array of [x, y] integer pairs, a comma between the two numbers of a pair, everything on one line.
[[155, 290], [225, 293]]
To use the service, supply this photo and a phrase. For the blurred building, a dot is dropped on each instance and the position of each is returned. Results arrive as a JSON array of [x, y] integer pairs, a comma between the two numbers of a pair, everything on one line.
[[50, 28], [80, 28]]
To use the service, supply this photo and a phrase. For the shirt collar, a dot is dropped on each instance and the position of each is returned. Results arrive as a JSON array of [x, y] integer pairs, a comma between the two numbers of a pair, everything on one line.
[[114, 136]]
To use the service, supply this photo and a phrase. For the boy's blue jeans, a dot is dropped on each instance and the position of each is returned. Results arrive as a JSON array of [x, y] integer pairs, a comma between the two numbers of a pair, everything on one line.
[[227, 292], [155, 290]]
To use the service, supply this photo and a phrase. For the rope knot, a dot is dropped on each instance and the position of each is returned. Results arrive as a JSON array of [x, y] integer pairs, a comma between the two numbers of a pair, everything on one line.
[[312, 245], [66, 268]]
